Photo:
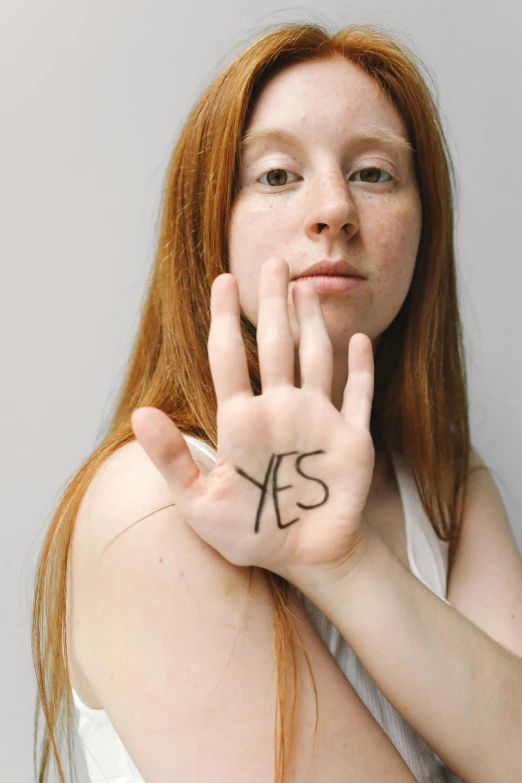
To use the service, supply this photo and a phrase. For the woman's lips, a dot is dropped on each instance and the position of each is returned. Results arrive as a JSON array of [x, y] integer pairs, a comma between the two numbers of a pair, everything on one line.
[[331, 284]]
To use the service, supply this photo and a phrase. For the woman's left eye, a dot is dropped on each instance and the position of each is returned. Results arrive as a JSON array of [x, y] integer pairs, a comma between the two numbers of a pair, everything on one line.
[[374, 171]]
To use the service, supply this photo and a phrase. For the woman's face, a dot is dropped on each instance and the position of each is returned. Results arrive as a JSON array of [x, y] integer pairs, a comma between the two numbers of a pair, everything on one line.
[[326, 196]]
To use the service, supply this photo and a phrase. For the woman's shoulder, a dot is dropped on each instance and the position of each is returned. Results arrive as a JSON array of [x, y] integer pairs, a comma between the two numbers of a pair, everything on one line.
[[132, 458]]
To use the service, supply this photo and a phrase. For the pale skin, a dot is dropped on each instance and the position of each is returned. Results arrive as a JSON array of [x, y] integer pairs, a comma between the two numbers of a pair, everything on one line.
[[340, 199], [223, 507], [326, 204], [317, 371]]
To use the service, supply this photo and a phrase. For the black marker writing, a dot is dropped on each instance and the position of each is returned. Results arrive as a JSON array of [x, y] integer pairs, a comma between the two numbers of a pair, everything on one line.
[[326, 491], [262, 487], [275, 489]]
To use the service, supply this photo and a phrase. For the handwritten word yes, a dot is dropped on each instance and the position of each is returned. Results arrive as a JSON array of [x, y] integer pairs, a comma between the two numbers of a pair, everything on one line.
[[275, 463]]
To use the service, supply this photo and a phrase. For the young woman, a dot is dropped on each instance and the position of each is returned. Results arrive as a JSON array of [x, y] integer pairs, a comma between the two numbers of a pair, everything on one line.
[[302, 471]]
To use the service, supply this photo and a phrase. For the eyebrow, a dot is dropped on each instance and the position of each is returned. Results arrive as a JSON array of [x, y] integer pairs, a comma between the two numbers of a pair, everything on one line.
[[369, 134]]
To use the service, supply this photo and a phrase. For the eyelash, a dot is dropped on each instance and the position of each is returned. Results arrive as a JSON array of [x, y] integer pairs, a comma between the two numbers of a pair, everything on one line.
[[366, 168]]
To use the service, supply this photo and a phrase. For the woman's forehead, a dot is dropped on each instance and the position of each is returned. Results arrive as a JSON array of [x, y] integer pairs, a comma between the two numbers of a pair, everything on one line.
[[331, 90]]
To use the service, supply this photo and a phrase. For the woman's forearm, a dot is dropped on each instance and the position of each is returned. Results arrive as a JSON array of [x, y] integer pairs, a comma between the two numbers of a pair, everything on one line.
[[457, 687]]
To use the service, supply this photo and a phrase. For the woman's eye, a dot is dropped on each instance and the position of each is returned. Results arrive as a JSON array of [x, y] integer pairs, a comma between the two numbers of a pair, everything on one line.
[[280, 176], [374, 174]]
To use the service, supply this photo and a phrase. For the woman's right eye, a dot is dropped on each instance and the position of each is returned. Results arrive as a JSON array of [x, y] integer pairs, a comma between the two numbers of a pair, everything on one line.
[[276, 180]]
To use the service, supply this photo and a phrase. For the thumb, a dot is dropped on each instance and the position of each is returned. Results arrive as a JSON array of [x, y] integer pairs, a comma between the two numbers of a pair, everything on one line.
[[166, 447]]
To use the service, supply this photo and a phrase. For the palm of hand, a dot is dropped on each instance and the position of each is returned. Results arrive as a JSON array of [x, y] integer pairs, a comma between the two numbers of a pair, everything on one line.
[[292, 473]]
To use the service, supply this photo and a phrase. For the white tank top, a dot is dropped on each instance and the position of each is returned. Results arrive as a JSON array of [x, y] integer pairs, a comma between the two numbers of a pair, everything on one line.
[[107, 759]]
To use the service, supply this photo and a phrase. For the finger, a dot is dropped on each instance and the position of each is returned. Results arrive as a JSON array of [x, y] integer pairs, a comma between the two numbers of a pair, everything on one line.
[[358, 392], [275, 341], [226, 349], [315, 346], [167, 448]]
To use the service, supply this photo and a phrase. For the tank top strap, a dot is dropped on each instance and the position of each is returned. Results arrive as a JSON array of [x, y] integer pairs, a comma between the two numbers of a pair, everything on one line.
[[427, 554]]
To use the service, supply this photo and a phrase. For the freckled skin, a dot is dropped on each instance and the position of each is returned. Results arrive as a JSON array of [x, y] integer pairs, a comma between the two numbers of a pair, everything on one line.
[[325, 209]]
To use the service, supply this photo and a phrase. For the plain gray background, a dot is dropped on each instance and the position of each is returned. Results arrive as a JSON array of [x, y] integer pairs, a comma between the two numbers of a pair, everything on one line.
[[93, 98]]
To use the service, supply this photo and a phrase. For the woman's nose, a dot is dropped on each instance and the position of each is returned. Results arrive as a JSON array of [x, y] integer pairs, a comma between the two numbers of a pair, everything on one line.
[[331, 207]]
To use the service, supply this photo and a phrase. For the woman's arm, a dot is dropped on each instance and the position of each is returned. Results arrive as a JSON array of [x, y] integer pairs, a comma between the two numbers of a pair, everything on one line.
[[458, 688], [182, 657]]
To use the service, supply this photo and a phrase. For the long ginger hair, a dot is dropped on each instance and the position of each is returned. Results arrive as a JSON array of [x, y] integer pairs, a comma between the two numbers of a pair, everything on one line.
[[420, 402]]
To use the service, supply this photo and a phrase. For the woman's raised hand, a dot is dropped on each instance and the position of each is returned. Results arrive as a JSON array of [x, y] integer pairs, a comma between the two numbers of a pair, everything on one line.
[[292, 473]]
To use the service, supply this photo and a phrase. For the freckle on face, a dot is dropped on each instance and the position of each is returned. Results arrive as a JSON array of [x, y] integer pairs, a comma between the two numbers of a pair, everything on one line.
[[323, 104]]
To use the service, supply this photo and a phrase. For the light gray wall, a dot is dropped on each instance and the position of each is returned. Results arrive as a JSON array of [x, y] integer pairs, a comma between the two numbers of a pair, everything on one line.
[[93, 97]]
